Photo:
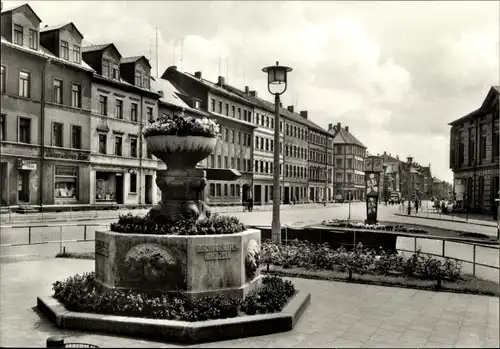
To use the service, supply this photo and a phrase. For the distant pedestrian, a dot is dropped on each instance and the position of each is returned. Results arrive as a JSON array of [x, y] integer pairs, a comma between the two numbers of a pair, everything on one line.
[[417, 203]]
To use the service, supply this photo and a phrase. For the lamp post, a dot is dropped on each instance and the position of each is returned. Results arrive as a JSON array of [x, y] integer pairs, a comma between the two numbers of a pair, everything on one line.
[[410, 160], [276, 85]]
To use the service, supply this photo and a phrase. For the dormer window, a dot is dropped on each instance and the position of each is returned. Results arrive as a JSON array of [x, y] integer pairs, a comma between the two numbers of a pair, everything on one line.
[[138, 78], [33, 39], [77, 55], [196, 104], [18, 35], [145, 83], [115, 72], [105, 68], [65, 50]]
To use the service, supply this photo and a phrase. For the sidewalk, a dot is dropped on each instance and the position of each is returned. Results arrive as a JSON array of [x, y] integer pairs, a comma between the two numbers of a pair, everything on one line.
[[449, 217], [53, 217], [341, 315]]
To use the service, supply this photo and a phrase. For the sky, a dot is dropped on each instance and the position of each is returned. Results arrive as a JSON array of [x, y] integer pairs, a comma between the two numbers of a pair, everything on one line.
[[395, 72]]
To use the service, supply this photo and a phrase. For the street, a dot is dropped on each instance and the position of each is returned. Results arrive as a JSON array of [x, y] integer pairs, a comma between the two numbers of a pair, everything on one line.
[[291, 216]]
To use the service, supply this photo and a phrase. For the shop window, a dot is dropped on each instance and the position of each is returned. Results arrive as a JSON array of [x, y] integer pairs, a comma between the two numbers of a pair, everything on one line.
[[105, 186], [133, 183], [66, 182]]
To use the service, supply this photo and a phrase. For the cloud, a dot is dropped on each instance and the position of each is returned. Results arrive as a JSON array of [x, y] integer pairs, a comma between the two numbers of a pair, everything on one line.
[[395, 72]]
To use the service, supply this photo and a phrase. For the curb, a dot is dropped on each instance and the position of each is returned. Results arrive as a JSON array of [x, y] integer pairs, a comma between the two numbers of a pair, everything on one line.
[[179, 331], [446, 220]]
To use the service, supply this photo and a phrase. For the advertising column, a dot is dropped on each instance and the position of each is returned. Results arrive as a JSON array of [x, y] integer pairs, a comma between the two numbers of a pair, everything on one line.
[[373, 167]]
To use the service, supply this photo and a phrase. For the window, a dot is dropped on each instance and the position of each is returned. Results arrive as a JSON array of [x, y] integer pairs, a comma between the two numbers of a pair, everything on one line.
[[133, 112], [220, 107], [118, 145], [57, 91], [496, 141], [119, 109], [77, 56], [33, 39], [349, 163], [57, 134], [212, 161], [76, 137], [219, 189], [219, 161], [233, 110], [24, 84], [24, 130], [212, 189], [102, 143], [227, 109], [213, 104], [66, 182], [196, 104], [65, 50], [103, 105], [149, 114], [18, 35], [3, 83], [105, 68], [133, 183], [145, 81], [226, 162], [239, 113], [2, 127], [138, 78], [76, 96], [225, 190], [133, 147], [115, 72]]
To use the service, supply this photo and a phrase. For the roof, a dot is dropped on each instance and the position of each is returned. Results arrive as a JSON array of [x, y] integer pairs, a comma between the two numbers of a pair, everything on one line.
[[44, 53], [170, 93], [484, 109], [59, 26], [92, 48], [10, 9], [133, 59], [344, 137]]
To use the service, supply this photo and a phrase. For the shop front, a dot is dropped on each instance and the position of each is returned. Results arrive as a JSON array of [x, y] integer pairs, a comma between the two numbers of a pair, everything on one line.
[[19, 181]]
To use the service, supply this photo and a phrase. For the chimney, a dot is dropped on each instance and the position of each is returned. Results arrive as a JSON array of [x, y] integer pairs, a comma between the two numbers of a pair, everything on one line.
[[290, 108], [385, 153], [303, 113], [174, 67], [197, 74], [347, 128], [253, 93], [247, 89], [397, 157], [222, 81], [330, 126], [338, 126]]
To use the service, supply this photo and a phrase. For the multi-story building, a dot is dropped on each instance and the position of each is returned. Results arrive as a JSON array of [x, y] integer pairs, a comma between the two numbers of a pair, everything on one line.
[[349, 155], [235, 115], [474, 155], [320, 164], [122, 170], [45, 90], [392, 173]]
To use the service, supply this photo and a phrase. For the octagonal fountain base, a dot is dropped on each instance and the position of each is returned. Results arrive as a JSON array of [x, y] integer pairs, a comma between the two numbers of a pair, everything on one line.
[[197, 266]]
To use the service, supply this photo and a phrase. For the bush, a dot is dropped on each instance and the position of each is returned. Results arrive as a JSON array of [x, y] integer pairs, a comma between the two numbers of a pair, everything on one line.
[[360, 260], [270, 298], [78, 293], [185, 226], [336, 223]]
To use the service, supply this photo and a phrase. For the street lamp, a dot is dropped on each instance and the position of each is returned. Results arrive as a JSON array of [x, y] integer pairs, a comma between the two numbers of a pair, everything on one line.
[[410, 160], [276, 80]]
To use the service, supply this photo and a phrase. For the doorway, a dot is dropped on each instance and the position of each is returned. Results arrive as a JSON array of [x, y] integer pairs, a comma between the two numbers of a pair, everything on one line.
[[287, 195], [245, 190], [23, 186], [257, 198], [149, 189], [119, 188]]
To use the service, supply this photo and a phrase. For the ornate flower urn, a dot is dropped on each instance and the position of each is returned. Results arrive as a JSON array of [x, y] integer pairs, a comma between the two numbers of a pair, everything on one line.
[[182, 184]]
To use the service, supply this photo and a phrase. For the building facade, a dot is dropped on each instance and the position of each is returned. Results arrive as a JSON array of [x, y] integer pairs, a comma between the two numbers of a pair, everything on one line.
[[474, 155], [235, 115], [349, 155], [122, 171], [46, 101]]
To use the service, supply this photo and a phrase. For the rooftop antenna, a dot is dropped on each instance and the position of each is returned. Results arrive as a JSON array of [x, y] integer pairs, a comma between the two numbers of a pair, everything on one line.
[[182, 48], [157, 55], [149, 58]]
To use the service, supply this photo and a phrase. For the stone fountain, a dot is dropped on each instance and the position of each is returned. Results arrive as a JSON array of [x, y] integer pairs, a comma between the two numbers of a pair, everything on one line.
[[197, 266]]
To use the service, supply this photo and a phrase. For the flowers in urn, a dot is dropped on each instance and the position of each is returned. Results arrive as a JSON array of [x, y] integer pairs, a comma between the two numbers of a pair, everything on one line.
[[178, 125]]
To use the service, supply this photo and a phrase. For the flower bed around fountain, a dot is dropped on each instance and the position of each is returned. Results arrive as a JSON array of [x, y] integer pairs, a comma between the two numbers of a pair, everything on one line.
[[178, 263]]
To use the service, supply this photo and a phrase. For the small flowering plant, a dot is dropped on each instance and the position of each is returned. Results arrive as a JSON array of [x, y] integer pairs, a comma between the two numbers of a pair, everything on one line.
[[179, 125]]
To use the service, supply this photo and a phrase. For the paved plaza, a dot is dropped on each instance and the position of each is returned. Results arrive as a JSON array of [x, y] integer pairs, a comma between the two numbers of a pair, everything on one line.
[[340, 315]]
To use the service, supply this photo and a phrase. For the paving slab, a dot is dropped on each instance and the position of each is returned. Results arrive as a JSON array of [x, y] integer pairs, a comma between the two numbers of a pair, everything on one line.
[[332, 319]]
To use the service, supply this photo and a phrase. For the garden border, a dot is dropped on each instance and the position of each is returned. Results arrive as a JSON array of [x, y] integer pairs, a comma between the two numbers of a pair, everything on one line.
[[179, 331]]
